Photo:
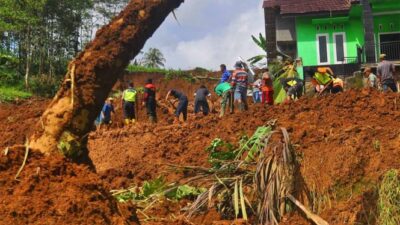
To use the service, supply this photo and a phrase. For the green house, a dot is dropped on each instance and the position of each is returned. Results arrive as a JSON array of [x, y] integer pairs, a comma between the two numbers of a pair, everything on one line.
[[342, 34]]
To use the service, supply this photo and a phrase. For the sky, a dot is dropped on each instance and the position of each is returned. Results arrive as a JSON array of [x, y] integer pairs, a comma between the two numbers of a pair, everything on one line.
[[209, 33]]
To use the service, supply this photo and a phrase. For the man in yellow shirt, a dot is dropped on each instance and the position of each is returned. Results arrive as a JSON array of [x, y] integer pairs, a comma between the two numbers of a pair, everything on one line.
[[324, 80], [129, 103]]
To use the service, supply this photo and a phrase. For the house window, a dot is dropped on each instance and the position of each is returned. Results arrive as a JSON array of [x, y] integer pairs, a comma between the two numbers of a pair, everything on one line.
[[339, 40], [318, 28], [322, 48]]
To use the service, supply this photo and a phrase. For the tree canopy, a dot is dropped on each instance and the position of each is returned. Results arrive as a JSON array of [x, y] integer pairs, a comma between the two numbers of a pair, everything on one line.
[[43, 35]]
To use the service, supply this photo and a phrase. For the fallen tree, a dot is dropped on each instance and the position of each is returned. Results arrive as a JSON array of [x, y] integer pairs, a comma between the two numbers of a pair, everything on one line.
[[91, 75]]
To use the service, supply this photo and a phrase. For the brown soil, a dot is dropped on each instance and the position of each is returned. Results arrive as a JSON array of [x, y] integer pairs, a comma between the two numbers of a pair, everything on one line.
[[344, 144], [51, 190], [18, 120]]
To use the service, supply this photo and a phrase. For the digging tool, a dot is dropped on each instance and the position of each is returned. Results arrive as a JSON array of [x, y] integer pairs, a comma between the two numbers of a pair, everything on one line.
[[172, 104], [326, 87], [316, 219]]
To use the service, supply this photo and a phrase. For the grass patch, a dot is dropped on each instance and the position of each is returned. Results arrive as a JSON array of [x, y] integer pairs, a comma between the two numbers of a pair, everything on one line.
[[142, 69], [169, 74], [389, 199], [12, 93]]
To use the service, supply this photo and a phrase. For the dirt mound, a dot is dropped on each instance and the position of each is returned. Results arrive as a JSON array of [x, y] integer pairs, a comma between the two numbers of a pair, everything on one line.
[[51, 190], [344, 143], [18, 120]]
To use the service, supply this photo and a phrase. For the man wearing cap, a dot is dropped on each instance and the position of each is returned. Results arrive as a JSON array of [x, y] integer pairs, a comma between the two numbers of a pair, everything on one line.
[[149, 100], [239, 84], [385, 73], [372, 80]]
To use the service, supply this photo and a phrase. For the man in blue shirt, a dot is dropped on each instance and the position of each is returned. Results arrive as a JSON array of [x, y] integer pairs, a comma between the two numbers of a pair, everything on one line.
[[105, 114], [225, 74]]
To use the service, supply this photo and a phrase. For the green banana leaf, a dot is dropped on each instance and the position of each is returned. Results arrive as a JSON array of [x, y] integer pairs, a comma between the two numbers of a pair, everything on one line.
[[279, 92]]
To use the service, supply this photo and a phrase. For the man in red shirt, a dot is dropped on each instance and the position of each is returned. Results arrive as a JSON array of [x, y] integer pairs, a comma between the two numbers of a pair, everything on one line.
[[239, 84]]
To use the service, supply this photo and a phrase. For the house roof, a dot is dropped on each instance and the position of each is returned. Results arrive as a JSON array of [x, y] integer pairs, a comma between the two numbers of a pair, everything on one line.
[[309, 6]]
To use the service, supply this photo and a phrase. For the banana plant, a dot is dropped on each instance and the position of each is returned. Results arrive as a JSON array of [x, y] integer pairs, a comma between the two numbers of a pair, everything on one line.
[[262, 43]]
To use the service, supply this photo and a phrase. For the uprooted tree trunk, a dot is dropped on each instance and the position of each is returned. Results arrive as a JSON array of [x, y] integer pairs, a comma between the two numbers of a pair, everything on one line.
[[91, 75]]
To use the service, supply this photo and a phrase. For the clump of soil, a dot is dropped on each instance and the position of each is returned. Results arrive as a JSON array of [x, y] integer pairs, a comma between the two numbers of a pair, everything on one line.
[[51, 190], [18, 120]]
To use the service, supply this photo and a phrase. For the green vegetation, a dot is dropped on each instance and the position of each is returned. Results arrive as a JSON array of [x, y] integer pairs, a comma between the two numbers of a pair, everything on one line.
[[39, 37], [155, 189], [262, 43], [221, 151], [249, 181], [169, 74], [153, 58], [12, 93], [389, 199]]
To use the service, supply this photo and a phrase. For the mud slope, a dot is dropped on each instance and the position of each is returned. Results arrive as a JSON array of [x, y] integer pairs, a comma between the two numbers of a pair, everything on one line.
[[52, 191], [17, 121], [344, 144]]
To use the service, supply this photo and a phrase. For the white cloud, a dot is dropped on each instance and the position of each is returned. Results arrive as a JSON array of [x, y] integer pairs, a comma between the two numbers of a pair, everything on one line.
[[223, 39]]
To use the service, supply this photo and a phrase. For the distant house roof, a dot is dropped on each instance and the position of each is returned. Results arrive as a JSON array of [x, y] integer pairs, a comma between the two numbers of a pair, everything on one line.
[[308, 6]]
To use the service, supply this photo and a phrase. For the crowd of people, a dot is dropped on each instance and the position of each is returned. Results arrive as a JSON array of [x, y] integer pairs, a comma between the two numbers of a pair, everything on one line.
[[232, 90]]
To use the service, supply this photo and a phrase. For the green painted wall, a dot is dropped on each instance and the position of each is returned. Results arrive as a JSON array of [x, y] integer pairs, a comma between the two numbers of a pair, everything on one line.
[[307, 35], [386, 18]]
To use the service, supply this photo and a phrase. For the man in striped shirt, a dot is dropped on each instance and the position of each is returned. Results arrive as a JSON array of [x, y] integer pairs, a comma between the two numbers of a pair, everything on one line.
[[239, 83]]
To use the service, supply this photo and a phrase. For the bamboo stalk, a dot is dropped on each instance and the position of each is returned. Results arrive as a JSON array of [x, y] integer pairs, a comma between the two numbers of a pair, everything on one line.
[[315, 218], [25, 158]]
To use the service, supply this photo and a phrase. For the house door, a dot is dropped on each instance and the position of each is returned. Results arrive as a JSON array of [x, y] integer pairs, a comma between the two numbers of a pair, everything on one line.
[[390, 45]]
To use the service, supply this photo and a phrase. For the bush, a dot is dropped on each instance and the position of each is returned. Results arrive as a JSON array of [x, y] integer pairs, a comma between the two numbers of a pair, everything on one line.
[[44, 85], [12, 93], [389, 199]]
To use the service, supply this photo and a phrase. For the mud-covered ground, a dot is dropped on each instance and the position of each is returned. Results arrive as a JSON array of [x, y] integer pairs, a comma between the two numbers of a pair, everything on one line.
[[344, 144]]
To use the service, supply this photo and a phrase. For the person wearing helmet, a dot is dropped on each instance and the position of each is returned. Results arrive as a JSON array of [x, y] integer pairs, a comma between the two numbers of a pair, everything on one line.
[[239, 84]]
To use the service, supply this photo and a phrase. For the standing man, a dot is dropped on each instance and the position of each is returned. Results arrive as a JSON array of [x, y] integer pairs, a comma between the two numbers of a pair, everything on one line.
[[182, 105], [257, 90], [149, 100], [129, 104], [267, 88], [224, 90], [200, 100], [239, 84], [225, 74], [385, 73]]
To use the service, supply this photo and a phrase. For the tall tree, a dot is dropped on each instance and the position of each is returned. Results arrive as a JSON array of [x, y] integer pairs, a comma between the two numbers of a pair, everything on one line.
[[69, 118], [153, 58]]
